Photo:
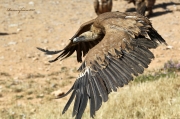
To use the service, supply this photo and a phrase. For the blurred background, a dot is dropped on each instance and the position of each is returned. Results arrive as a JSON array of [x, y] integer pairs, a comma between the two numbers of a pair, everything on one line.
[[28, 82]]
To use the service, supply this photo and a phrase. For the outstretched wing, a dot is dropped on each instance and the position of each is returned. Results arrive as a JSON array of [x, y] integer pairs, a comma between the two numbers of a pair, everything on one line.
[[123, 52], [81, 48]]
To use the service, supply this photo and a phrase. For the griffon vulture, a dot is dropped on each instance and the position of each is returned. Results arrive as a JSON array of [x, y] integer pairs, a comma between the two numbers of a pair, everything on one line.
[[101, 6], [117, 46], [143, 5]]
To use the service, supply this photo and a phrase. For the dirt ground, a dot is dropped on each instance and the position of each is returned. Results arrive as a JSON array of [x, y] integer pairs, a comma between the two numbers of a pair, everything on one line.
[[50, 23]]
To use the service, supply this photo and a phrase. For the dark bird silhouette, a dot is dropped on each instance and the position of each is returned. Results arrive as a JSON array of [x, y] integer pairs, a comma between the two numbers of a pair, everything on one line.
[[116, 46], [102, 6], [3, 33], [143, 5]]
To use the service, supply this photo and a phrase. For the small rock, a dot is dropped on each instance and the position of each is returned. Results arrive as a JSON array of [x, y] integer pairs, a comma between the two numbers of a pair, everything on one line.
[[45, 41], [28, 56], [18, 30], [46, 63], [53, 85], [57, 93], [31, 3], [38, 54], [40, 68], [2, 57], [16, 78], [35, 58], [33, 110], [49, 56], [169, 47], [40, 96], [62, 44], [37, 12], [12, 43], [13, 25], [13, 113], [48, 79]]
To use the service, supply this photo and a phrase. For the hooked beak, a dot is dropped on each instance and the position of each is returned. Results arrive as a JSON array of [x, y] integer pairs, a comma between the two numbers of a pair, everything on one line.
[[85, 37], [79, 39]]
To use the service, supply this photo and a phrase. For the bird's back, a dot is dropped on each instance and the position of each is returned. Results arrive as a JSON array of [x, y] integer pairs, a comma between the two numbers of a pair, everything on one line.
[[117, 26]]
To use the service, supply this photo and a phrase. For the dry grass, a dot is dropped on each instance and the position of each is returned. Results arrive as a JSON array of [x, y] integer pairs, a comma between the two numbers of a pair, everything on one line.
[[157, 99], [152, 100]]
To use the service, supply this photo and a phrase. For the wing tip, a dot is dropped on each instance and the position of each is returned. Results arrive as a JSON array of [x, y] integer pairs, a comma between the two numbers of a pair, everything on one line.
[[47, 52]]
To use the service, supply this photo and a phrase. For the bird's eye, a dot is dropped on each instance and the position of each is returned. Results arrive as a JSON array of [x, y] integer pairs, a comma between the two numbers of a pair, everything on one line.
[[81, 37]]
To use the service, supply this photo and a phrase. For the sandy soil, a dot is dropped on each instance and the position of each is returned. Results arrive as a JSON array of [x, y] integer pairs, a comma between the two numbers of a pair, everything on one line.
[[51, 23]]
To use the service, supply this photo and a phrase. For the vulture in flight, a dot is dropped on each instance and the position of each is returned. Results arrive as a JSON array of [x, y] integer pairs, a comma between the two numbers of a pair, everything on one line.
[[102, 6], [143, 5], [117, 47]]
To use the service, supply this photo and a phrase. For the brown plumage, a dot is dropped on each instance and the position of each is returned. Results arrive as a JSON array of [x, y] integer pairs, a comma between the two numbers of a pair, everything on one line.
[[116, 46], [102, 6], [142, 5]]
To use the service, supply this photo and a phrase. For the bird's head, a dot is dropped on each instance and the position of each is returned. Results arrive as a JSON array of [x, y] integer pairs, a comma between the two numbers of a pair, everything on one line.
[[85, 37]]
